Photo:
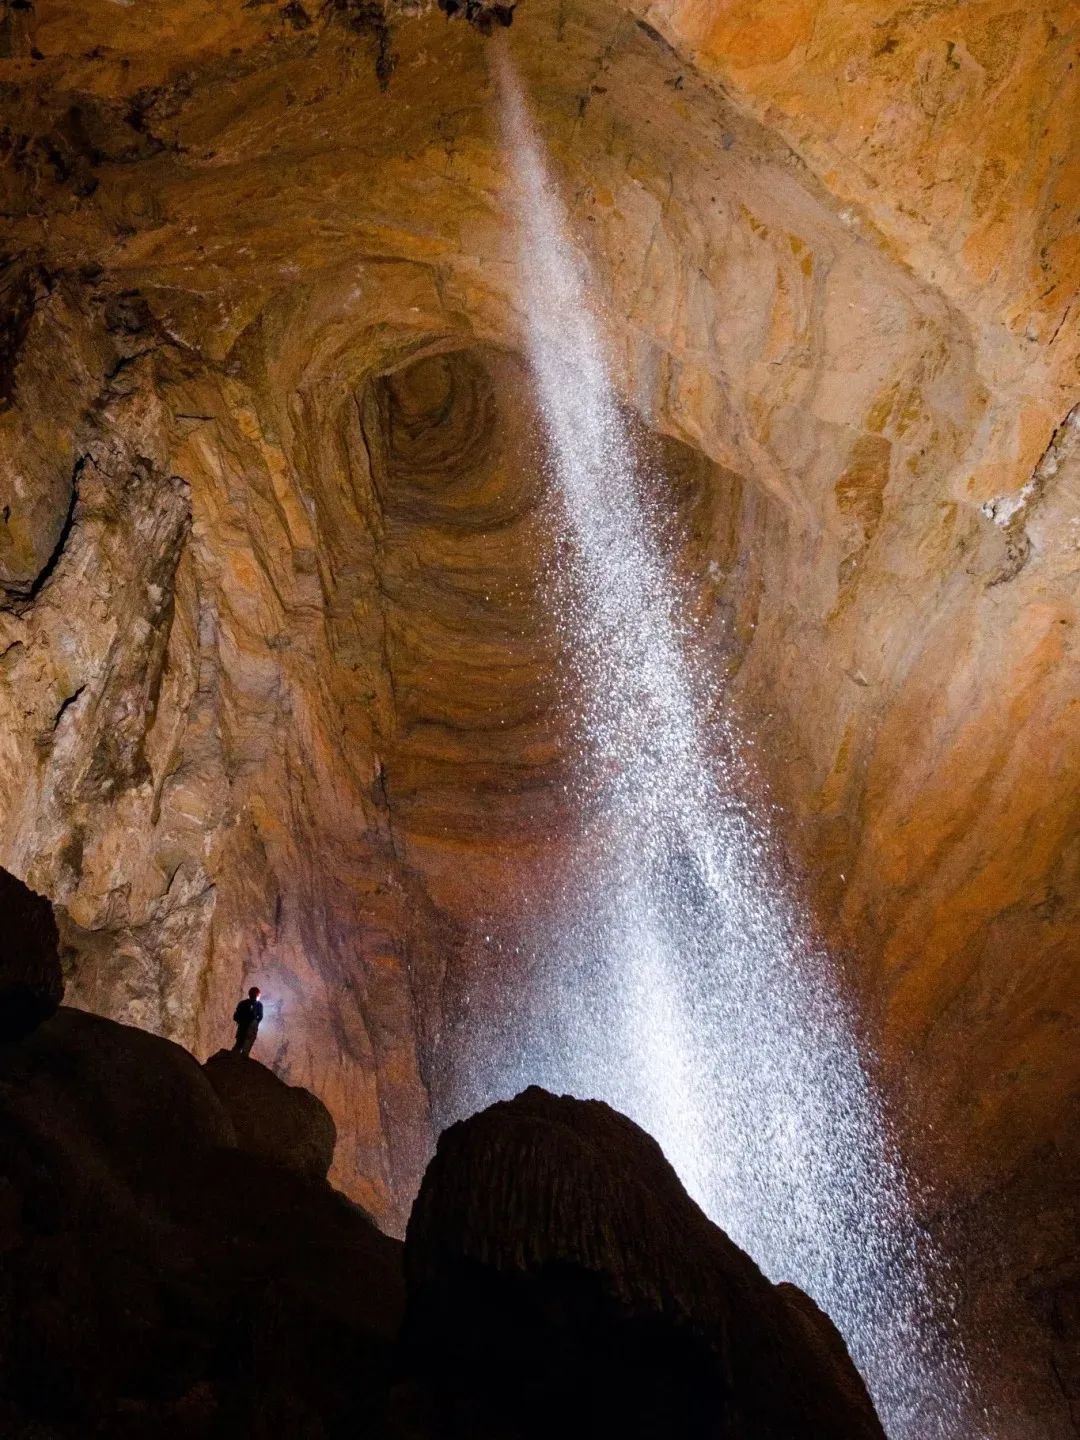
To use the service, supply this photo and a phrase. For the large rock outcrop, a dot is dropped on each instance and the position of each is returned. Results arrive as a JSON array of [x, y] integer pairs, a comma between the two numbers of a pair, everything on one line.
[[274, 1121], [159, 1279], [560, 1279], [155, 1279]]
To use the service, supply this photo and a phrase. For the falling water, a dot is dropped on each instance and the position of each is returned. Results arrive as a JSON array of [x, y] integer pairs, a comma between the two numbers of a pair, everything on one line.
[[684, 987]]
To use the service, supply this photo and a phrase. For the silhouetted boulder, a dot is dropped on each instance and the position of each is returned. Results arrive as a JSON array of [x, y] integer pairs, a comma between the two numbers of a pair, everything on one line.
[[31, 982], [282, 1123], [826, 1344], [561, 1281], [155, 1279], [108, 1105]]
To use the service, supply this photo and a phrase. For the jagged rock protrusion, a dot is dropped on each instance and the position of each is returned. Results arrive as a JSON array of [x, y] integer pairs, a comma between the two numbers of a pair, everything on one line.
[[561, 1280], [31, 980]]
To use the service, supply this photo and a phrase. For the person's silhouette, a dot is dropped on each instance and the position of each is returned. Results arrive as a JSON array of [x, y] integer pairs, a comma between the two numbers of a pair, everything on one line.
[[247, 1016]]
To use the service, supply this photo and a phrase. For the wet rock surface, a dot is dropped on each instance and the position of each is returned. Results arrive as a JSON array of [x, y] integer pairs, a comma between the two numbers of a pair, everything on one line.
[[561, 1280]]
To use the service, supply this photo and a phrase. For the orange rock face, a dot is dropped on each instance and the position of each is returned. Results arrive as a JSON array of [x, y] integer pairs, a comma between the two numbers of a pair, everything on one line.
[[279, 697]]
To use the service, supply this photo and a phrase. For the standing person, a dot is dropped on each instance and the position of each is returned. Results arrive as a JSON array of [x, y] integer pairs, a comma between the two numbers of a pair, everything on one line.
[[247, 1016]]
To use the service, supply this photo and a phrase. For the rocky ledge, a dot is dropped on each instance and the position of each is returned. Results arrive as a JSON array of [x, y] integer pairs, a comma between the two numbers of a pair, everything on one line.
[[174, 1263]]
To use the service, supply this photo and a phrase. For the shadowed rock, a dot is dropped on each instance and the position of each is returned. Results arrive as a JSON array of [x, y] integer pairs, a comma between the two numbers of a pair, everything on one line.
[[282, 1123], [160, 1280], [561, 1281], [156, 1280], [485, 15], [31, 983]]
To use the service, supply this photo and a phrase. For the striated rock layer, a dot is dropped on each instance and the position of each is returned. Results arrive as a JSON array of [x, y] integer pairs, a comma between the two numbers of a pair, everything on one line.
[[559, 1277], [278, 700]]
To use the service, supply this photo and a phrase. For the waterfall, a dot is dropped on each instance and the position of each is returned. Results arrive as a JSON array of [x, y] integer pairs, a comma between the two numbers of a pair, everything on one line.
[[684, 984]]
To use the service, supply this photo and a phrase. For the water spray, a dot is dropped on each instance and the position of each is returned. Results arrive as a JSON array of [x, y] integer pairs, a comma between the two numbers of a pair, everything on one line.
[[685, 985]]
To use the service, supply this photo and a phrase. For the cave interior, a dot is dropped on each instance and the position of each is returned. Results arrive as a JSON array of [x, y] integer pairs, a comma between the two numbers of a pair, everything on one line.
[[280, 699]]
